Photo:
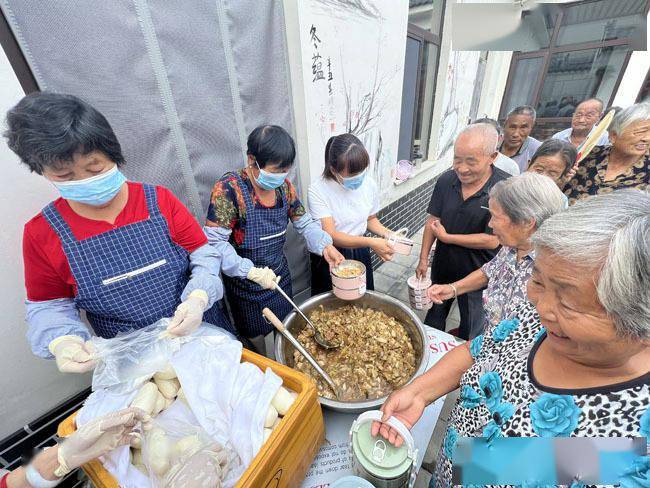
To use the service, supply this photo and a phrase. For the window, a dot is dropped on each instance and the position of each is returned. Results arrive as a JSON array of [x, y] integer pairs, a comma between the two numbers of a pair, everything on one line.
[[576, 75], [590, 45], [420, 72]]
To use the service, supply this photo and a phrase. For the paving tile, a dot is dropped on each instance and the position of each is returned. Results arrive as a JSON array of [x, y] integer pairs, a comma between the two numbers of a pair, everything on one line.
[[391, 268], [423, 479]]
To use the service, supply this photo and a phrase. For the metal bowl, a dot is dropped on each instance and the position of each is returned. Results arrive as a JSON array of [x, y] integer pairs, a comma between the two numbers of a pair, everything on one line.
[[374, 300]]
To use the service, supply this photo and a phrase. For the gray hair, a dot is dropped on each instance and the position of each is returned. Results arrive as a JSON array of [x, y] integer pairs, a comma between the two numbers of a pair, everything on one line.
[[492, 122], [523, 110], [629, 115], [528, 197], [610, 234], [486, 133]]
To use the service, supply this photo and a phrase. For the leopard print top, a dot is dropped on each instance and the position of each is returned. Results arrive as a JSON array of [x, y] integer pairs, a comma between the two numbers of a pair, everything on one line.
[[500, 397]]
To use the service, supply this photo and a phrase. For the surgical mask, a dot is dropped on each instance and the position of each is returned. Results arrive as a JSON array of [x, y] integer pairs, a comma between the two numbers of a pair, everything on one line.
[[96, 190], [353, 182], [270, 181]]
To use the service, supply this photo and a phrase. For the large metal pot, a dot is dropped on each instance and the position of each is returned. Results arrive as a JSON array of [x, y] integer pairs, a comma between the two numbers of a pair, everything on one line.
[[374, 300]]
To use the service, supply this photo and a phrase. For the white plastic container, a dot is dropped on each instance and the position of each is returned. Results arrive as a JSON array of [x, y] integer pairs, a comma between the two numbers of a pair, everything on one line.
[[418, 297]]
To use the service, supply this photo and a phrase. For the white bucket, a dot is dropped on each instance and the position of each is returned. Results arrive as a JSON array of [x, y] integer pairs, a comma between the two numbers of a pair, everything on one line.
[[418, 293]]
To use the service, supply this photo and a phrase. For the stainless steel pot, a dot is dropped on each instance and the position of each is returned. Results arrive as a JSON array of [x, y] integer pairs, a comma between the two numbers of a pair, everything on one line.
[[371, 299]]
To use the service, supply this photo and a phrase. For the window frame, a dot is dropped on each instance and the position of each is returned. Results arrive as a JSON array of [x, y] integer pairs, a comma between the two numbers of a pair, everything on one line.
[[552, 49], [421, 36]]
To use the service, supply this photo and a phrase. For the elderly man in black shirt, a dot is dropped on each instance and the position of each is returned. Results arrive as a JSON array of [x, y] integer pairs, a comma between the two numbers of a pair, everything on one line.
[[458, 220]]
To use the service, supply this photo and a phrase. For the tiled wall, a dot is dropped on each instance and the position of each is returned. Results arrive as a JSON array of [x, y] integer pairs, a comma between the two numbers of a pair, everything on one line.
[[409, 211]]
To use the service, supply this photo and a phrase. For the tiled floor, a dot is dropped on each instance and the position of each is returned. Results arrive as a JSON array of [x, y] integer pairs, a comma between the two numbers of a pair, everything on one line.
[[390, 278]]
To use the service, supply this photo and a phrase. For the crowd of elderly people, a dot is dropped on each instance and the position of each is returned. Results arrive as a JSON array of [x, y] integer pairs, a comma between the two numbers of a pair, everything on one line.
[[551, 271]]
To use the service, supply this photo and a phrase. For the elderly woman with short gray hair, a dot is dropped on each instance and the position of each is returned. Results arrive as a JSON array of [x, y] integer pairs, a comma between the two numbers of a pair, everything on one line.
[[624, 164], [574, 362], [518, 206]]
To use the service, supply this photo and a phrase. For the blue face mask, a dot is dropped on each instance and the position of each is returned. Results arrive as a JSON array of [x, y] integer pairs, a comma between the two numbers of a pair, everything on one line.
[[270, 181], [353, 182], [96, 190]]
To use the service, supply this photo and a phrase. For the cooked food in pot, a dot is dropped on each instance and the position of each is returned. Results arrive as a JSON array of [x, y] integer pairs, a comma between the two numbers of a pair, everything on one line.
[[376, 355], [347, 271]]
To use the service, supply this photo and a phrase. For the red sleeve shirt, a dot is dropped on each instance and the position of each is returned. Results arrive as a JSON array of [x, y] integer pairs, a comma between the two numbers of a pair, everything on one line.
[[3, 481], [47, 272]]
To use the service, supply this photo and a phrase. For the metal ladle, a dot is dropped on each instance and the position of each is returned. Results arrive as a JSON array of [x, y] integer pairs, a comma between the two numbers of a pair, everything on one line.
[[275, 321], [320, 340]]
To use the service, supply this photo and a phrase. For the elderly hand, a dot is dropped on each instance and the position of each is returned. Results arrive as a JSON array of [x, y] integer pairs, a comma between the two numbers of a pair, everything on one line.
[[439, 230], [333, 256], [189, 314], [73, 354], [98, 437], [421, 270], [439, 293], [265, 277], [382, 248], [404, 404]]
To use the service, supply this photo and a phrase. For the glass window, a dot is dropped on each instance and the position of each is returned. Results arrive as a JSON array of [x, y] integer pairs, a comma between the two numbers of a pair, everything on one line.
[[575, 75], [601, 21], [522, 84]]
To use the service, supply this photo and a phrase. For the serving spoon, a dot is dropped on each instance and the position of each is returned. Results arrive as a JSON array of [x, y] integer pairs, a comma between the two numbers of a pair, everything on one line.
[[275, 321], [318, 337]]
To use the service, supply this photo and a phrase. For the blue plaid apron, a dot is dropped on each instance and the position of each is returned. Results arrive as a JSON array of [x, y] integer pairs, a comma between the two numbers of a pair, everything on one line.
[[264, 236], [131, 276]]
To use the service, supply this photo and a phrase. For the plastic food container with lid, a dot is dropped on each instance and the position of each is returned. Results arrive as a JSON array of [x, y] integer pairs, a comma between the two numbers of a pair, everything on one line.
[[349, 280], [400, 243], [376, 460], [418, 297]]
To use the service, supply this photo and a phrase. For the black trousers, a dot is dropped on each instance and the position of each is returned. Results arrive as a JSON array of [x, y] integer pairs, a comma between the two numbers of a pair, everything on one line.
[[472, 314], [321, 281]]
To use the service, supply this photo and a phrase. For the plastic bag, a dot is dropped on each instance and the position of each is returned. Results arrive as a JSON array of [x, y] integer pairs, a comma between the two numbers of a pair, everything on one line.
[[131, 358], [178, 453]]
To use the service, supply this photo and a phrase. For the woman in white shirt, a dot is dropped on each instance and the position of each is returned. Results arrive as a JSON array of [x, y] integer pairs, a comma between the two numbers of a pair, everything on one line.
[[346, 201]]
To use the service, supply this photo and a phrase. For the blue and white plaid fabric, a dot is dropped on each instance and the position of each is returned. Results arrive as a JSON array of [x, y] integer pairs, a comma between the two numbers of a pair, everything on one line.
[[128, 277], [264, 237]]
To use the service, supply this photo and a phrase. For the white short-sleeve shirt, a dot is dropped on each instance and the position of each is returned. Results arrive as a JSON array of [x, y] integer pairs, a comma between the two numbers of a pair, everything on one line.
[[350, 209]]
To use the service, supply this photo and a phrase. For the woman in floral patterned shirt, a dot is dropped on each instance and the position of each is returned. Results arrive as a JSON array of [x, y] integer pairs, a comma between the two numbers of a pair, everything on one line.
[[572, 363], [518, 206], [623, 165], [247, 222]]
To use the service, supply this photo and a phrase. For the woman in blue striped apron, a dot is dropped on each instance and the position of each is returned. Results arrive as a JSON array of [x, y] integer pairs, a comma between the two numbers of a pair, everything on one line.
[[126, 253], [247, 222]]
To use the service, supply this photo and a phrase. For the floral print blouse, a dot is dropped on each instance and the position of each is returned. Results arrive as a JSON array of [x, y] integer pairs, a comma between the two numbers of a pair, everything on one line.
[[590, 178], [500, 396], [507, 281], [228, 210]]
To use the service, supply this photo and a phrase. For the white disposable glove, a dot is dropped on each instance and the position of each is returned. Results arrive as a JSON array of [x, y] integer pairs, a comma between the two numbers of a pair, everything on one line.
[[98, 437], [189, 314], [72, 354], [265, 277]]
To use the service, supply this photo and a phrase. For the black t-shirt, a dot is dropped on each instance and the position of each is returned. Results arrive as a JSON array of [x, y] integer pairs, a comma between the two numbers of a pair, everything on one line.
[[458, 216]]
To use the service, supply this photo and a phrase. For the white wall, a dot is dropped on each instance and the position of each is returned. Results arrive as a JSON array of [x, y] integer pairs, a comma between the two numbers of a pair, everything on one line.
[[633, 78], [366, 53], [30, 386]]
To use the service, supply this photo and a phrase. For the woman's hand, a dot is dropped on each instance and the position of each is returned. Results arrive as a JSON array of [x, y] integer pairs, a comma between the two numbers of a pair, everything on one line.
[[439, 293], [421, 270], [404, 404], [333, 256], [382, 248]]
